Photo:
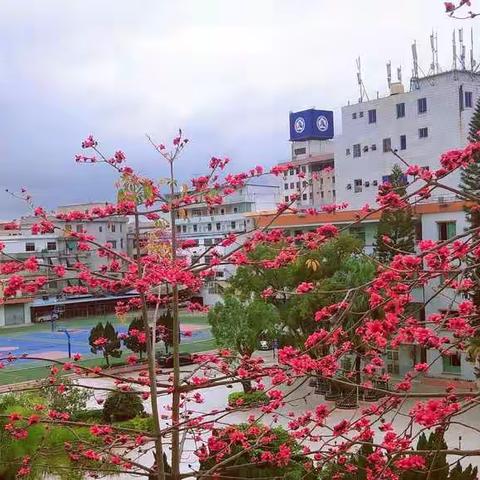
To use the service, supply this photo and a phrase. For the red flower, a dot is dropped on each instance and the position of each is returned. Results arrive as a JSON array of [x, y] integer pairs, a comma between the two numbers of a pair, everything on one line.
[[305, 287], [449, 7]]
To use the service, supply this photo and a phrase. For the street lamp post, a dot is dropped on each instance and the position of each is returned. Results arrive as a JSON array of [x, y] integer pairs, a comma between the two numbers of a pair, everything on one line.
[[67, 333]]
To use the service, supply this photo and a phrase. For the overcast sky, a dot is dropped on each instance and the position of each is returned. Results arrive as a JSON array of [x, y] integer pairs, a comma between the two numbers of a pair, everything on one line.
[[227, 72]]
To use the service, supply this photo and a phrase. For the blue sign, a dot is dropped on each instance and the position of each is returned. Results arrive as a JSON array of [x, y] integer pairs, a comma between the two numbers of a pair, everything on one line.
[[311, 125]]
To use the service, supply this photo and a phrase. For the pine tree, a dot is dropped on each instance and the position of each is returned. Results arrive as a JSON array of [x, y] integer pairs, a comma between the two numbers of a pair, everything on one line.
[[470, 184], [131, 342], [396, 230], [164, 327], [109, 346]]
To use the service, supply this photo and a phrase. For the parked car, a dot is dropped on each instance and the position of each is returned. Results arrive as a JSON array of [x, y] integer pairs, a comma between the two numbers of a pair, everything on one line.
[[166, 361], [265, 345]]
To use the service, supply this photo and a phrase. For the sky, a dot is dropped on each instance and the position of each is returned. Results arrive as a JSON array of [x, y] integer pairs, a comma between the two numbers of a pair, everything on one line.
[[226, 72]]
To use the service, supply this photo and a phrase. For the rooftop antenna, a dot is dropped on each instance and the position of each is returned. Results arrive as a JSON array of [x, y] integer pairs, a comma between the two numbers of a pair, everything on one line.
[[434, 66], [473, 63], [389, 74], [454, 50], [415, 59], [414, 81], [361, 86], [462, 48]]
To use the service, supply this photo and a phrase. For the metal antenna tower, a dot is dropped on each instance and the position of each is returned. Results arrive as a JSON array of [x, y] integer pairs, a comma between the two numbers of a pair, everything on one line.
[[462, 48], [389, 73], [473, 63], [361, 86], [399, 74], [414, 80], [454, 50], [434, 66]]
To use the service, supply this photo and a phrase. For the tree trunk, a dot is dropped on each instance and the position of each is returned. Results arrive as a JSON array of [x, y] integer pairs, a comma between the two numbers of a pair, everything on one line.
[[358, 364], [247, 385]]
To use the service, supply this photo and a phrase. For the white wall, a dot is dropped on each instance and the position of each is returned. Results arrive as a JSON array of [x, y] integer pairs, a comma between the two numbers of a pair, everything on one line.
[[26, 309]]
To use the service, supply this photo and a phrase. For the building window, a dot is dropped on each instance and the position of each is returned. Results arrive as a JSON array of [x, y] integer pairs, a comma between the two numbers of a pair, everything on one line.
[[113, 228], [452, 363], [209, 227], [359, 233], [347, 152], [354, 116], [357, 185], [304, 169], [30, 247], [195, 228], [100, 228], [393, 364], [373, 147], [422, 105], [292, 185], [113, 244], [178, 229], [184, 228], [235, 210], [400, 110], [423, 132], [304, 183], [304, 196], [285, 186], [333, 193], [360, 114], [291, 172], [468, 100], [79, 228], [232, 225], [322, 194], [121, 243], [372, 116], [121, 228], [51, 246], [357, 151], [333, 178], [218, 226], [387, 144], [403, 142], [446, 230], [286, 198], [300, 151]]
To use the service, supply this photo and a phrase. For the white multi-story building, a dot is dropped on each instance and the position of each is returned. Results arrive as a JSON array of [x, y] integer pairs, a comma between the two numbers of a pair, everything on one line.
[[312, 175], [209, 226], [310, 180], [420, 124], [54, 249]]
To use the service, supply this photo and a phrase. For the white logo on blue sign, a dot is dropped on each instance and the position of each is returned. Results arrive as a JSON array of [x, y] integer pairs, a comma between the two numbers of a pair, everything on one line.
[[322, 123], [299, 125]]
